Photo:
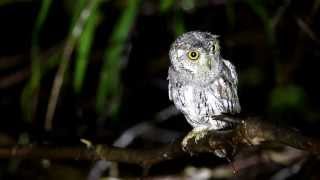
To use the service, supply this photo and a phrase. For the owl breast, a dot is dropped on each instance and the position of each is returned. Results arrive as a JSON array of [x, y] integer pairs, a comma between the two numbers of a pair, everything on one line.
[[200, 104]]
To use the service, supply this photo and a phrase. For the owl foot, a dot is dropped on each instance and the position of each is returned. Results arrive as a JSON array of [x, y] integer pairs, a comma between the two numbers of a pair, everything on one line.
[[196, 134]]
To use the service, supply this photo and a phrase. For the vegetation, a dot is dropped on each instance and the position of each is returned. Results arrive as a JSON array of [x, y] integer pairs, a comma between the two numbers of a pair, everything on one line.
[[94, 69]]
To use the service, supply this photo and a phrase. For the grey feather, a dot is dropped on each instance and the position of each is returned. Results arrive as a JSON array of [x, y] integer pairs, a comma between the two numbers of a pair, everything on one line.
[[204, 88]]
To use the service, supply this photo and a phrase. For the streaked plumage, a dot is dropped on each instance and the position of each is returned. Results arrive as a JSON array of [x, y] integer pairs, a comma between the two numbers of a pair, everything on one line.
[[202, 84]]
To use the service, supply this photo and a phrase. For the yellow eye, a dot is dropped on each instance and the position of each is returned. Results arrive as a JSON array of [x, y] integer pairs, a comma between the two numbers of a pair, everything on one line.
[[193, 55]]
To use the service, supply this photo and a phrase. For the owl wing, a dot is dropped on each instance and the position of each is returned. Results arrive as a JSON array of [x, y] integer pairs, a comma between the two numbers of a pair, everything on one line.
[[169, 91], [176, 90], [232, 74], [225, 89], [170, 84]]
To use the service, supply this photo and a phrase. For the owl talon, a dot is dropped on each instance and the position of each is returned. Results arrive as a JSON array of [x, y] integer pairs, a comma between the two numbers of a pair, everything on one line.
[[194, 134], [184, 144]]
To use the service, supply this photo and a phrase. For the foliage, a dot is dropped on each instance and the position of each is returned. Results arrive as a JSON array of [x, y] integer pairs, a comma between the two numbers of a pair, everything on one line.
[[82, 37], [109, 84], [94, 61], [30, 92]]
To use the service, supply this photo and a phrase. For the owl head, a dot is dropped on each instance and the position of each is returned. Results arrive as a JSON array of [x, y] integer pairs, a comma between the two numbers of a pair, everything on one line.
[[196, 53]]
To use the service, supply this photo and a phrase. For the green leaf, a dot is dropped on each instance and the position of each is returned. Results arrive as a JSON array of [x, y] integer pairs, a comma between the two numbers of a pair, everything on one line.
[[76, 8], [83, 50], [230, 11], [30, 92], [109, 83], [179, 24], [165, 5], [69, 46], [287, 97], [259, 8]]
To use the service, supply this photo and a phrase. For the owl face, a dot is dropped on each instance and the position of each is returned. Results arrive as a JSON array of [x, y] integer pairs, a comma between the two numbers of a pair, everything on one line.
[[196, 53]]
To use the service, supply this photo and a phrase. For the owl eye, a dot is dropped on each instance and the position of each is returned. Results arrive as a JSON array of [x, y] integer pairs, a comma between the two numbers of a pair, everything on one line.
[[193, 55], [215, 47]]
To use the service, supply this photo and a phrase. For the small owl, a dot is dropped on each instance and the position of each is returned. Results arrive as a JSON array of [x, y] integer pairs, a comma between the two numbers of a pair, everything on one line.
[[202, 84]]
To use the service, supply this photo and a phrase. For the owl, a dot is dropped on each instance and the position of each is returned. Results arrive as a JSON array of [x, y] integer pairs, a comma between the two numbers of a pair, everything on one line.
[[202, 84]]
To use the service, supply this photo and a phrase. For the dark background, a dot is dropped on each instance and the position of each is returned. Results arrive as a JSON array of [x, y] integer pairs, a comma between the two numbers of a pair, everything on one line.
[[273, 44]]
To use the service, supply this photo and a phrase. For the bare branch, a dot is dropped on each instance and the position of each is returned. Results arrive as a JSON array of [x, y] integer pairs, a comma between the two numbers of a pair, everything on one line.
[[250, 132]]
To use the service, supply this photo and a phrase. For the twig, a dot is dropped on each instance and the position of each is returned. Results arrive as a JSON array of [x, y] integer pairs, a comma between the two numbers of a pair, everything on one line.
[[21, 74], [67, 52], [14, 78]]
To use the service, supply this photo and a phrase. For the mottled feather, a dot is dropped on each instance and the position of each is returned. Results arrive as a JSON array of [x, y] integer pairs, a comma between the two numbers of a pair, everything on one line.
[[202, 93]]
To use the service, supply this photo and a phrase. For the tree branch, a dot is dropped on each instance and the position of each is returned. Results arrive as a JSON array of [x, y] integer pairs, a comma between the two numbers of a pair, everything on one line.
[[250, 132]]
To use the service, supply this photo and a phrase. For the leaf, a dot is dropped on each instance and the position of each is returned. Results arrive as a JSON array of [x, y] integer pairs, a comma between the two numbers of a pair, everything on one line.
[[109, 83], [179, 24], [230, 11], [83, 50], [72, 39], [259, 8], [29, 95], [287, 97], [165, 5]]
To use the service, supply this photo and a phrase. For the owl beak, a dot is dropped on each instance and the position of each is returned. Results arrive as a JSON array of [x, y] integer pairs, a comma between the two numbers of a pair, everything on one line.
[[209, 64]]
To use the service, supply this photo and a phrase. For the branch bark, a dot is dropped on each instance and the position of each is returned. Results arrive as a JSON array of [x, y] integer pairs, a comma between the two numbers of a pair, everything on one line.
[[250, 132]]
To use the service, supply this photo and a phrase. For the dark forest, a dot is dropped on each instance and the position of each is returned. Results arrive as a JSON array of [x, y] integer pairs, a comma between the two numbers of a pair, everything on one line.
[[84, 89]]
